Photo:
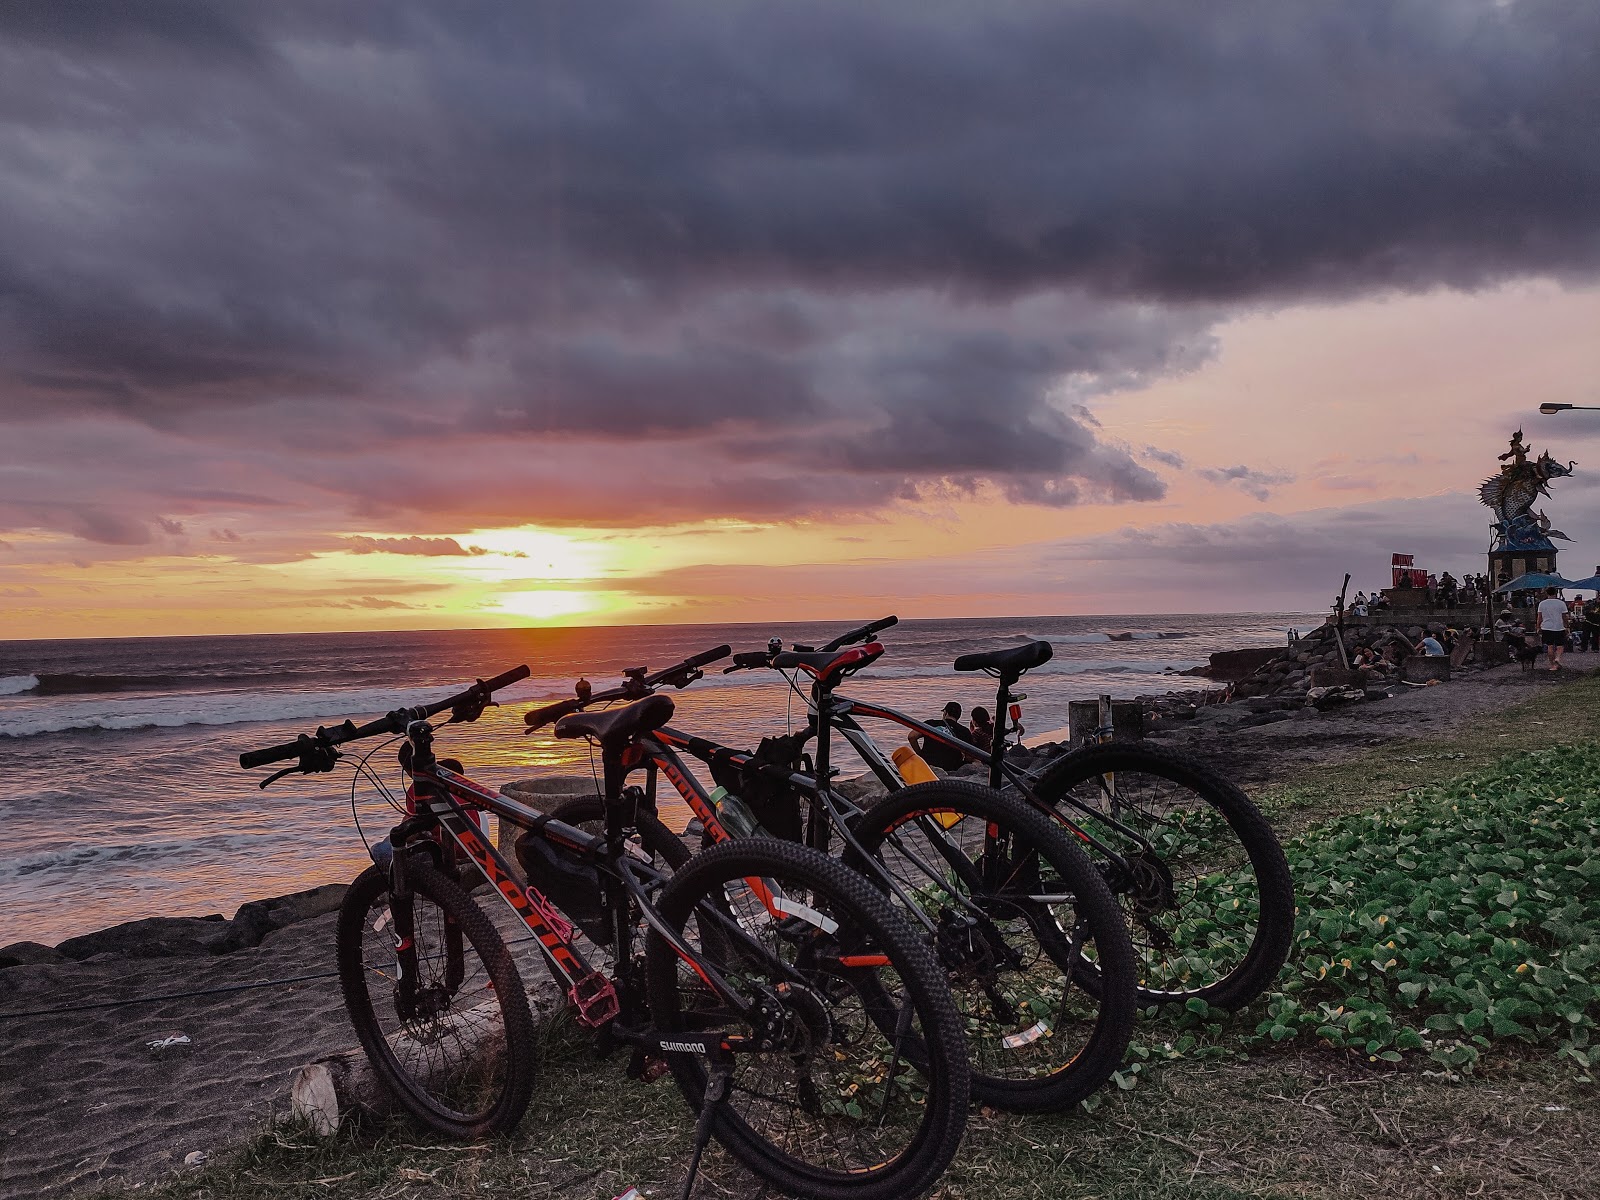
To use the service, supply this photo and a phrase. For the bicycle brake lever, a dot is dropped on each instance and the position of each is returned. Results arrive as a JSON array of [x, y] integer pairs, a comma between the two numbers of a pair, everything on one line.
[[277, 775]]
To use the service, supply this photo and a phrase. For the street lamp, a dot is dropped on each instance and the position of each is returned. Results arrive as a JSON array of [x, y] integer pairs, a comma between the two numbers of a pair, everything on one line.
[[1550, 410]]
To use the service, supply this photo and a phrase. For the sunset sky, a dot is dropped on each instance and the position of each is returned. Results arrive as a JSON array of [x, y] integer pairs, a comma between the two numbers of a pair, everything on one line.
[[322, 317]]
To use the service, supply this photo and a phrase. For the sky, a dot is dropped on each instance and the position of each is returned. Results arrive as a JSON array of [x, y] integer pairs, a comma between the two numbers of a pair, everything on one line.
[[414, 315]]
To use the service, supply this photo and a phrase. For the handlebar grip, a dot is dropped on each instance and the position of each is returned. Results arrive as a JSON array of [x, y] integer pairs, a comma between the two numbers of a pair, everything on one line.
[[862, 634], [260, 758], [507, 679], [710, 656], [750, 658], [537, 717]]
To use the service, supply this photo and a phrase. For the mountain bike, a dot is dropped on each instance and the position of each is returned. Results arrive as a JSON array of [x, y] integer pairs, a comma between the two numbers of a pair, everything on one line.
[[1199, 873], [800, 1016], [1012, 908]]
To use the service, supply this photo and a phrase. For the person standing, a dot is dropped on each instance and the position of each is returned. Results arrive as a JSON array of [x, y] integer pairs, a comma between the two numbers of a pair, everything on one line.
[[1552, 626], [1591, 624]]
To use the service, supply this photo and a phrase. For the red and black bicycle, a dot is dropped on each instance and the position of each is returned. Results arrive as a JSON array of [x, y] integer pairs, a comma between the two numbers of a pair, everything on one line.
[[805, 1022]]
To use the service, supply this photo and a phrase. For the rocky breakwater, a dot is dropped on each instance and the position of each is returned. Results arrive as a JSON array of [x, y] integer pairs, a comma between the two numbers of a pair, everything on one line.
[[183, 937], [1306, 677]]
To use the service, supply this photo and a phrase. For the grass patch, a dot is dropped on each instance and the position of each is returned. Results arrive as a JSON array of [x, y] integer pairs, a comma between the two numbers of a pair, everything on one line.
[[1565, 715]]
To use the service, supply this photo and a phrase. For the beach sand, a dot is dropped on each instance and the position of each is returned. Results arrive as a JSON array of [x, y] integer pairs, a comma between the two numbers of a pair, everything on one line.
[[86, 1103]]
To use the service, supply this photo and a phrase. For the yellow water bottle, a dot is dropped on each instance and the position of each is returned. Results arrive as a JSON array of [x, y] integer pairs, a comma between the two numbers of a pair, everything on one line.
[[913, 769]]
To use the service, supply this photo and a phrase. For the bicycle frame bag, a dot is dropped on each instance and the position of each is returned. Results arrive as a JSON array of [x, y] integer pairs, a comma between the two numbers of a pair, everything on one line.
[[573, 887], [762, 783]]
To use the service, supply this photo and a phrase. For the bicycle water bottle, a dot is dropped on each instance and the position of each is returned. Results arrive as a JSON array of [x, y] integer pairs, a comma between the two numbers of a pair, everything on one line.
[[912, 766], [734, 814], [913, 769]]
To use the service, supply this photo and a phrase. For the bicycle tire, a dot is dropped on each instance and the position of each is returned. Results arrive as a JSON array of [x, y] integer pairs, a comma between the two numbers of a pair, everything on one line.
[[1164, 979], [1037, 1043], [863, 921], [476, 997]]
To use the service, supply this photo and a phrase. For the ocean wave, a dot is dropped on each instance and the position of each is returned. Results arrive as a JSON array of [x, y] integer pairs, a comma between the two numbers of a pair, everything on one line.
[[224, 708], [78, 857], [14, 685], [70, 683]]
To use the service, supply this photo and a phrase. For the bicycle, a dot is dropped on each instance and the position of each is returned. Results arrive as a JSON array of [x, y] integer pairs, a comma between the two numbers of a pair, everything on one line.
[[1199, 873], [768, 978], [1010, 905]]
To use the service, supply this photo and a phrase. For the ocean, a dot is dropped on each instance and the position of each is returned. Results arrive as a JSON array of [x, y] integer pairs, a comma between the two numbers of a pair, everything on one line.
[[123, 798]]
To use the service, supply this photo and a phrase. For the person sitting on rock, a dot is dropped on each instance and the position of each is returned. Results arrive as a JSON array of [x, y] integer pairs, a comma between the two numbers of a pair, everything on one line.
[[937, 754], [981, 728], [1431, 646]]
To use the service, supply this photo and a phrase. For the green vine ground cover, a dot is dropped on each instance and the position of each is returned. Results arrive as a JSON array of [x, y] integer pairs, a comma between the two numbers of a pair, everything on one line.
[[1461, 916]]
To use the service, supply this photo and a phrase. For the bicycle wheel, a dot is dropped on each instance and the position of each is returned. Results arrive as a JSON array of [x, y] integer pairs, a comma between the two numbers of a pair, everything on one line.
[[461, 1059], [664, 848], [836, 1108], [1014, 905], [1205, 889]]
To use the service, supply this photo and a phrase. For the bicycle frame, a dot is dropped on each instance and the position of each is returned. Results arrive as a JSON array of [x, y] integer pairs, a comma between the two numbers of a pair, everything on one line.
[[440, 794], [660, 756]]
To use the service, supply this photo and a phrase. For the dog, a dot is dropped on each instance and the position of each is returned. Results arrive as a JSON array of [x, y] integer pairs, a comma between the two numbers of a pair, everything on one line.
[[1529, 653]]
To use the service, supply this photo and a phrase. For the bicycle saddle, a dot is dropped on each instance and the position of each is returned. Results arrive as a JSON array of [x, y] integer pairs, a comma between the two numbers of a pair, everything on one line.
[[1013, 661], [823, 665], [617, 726]]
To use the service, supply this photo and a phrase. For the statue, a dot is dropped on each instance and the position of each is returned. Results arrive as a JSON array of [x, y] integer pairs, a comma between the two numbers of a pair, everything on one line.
[[1518, 451], [1511, 495]]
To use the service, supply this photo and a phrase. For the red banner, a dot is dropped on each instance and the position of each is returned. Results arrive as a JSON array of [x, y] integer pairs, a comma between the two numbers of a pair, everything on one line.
[[1403, 569]]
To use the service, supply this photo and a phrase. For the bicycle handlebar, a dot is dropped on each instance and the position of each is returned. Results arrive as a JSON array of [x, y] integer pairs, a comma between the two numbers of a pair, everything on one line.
[[750, 660], [860, 635], [679, 675], [468, 705]]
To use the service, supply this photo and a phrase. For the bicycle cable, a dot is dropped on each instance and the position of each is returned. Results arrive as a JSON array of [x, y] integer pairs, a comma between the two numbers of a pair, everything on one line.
[[377, 781]]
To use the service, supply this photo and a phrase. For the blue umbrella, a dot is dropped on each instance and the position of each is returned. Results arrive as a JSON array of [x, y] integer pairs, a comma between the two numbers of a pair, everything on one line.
[[1537, 579]]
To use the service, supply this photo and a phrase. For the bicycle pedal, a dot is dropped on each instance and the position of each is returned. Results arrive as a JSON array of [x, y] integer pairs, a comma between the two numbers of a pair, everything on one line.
[[646, 1068]]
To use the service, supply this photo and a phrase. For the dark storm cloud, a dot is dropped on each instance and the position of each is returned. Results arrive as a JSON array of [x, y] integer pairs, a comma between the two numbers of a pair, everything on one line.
[[851, 252]]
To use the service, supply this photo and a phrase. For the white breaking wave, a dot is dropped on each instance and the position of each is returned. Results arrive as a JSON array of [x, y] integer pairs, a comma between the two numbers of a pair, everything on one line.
[[226, 708], [11, 685]]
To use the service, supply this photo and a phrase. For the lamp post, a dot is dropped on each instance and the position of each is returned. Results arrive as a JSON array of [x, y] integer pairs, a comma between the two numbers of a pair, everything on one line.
[[1551, 410]]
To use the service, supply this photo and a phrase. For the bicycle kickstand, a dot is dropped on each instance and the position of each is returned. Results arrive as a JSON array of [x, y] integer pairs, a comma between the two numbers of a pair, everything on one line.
[[716, 1093]]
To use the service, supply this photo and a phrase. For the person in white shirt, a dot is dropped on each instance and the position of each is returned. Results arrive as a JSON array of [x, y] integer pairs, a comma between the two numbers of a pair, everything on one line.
[[1552, 627], [1432, 646]]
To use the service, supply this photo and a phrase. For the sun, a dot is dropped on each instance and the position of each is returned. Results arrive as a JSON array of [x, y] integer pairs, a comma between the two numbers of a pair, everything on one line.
[[551, 604]]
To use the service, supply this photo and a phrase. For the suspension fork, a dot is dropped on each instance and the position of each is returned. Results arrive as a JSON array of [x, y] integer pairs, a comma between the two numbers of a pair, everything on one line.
[[402, 911]]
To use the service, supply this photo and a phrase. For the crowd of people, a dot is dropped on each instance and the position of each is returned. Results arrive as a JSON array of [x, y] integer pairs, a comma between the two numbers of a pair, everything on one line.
[[1443, 591], [1559, 624], [1555, 624]]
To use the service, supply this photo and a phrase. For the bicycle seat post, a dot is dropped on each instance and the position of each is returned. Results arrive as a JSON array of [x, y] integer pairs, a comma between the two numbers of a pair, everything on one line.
[[1002, 725]]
